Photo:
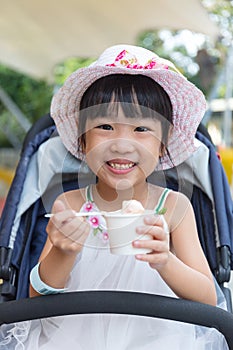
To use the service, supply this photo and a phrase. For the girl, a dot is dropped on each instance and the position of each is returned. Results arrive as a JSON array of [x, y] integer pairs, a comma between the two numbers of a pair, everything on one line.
[[127, 114]]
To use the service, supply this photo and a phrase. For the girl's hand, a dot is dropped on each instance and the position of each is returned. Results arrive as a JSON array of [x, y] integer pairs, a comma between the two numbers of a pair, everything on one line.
[[159, 243], [67, 232]]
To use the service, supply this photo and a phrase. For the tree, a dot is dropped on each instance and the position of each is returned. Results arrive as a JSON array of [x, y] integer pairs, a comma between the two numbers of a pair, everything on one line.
[[31, 95], [64, 69], [194, 54]]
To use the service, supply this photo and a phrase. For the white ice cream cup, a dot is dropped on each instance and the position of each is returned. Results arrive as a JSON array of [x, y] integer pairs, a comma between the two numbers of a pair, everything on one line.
[[122, 232]]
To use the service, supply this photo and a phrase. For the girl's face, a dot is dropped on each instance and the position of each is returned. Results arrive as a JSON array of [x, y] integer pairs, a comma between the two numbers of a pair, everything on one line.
[[122, 151]]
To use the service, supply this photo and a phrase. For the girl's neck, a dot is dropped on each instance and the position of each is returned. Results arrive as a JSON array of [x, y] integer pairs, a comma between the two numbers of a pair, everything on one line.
[[111, 199]]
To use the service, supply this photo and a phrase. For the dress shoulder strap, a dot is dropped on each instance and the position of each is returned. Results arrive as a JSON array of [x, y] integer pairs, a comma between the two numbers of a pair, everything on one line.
[[162, 199], [88, 193]]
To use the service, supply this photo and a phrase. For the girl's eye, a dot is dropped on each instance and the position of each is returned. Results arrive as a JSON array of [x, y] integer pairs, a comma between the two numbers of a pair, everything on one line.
[[141, 129], [105, 127]]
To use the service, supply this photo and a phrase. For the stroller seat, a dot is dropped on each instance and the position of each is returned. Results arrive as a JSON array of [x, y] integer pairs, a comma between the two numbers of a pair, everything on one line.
[[45, 170]]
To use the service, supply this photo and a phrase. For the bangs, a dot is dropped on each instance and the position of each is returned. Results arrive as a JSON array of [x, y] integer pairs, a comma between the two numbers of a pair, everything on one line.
[[107, 94], [131, 92]]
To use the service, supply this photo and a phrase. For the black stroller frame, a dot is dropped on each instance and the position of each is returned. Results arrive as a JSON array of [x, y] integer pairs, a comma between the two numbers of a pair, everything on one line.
[[15, 306]]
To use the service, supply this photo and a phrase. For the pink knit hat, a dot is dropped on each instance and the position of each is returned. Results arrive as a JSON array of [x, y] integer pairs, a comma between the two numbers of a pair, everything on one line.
[[187, 100]]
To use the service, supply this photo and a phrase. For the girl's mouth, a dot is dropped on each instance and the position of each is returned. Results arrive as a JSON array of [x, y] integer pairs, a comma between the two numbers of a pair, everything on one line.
[[120, 166]]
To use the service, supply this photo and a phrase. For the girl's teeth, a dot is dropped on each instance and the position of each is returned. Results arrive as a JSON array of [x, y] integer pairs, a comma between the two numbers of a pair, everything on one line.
[[121, 166]]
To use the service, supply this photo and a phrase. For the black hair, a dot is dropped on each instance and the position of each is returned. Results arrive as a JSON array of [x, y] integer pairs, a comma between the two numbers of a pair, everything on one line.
[[138, 95]]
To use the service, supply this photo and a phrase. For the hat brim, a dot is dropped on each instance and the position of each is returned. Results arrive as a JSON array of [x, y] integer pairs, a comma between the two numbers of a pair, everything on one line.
[[187, 100]]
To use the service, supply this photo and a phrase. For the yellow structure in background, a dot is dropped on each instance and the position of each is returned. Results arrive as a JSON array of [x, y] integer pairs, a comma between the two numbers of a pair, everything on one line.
[[9, 158], [226, 155], [6, 175]]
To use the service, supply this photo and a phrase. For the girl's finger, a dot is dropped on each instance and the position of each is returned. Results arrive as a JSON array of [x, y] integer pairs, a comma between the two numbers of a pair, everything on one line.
[[157, 232], [155, 245], [58, 206], [155, 260], [153, 220], [61, 218], [80, 232]]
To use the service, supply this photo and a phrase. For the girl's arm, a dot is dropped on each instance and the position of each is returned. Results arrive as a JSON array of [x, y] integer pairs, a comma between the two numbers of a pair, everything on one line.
[[185, 268], [66, 236]]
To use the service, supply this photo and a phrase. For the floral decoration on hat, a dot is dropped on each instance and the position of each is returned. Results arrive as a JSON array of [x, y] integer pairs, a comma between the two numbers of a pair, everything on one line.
[[128, 60]]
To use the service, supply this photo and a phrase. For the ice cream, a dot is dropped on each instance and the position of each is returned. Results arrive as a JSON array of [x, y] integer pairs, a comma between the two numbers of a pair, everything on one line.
[[122, 228], [132, 207]]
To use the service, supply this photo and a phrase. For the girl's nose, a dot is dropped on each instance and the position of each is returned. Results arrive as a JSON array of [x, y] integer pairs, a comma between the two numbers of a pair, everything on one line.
[[122, 145]]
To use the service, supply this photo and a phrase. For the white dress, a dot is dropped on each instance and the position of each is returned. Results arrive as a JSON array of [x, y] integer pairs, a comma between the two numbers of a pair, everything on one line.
[[97, 269]]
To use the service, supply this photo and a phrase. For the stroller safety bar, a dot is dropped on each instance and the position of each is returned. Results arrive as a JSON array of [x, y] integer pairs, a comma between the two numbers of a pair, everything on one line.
[[119, 302]]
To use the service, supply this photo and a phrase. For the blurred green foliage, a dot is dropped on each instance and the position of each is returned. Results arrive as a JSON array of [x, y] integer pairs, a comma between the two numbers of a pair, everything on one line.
[[33, 96], [64, 69]]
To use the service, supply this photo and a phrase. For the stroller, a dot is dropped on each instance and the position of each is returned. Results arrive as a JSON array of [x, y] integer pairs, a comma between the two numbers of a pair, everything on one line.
[[45, 170]]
